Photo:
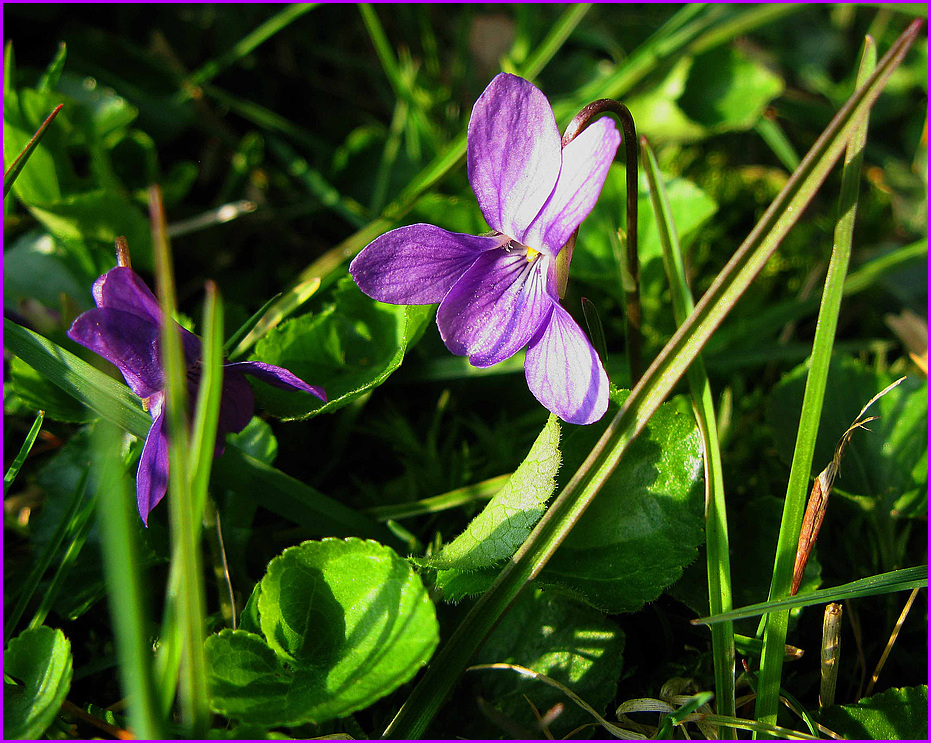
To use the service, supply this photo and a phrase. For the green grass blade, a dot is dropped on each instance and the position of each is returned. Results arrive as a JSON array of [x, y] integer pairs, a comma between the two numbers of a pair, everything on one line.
[[183, 521], [776, 139], [79, 527], [126, 590], [31, 583], [774, 637], [383, 49], [656, 384], [24, 450], [49, 80], [897, 580], [247, 44], [16, 168], [717, 548], [774, 731], [461, 496], [207, 411]]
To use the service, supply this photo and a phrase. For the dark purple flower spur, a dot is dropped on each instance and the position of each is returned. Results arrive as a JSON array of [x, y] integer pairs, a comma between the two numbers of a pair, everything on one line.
[[125, 329], [498, 294]]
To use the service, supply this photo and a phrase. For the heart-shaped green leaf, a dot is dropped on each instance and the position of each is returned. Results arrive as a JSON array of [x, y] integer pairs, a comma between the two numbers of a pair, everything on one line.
[[350, 347], [39, 661], [345, 622]]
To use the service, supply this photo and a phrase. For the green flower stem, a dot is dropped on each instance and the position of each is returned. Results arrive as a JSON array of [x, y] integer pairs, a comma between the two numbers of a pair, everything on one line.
[[184, 519], [669, 366], [128, 607], [777, 623], [717, 548]]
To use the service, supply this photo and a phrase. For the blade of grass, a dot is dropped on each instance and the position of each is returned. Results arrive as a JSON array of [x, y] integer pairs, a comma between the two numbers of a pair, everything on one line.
[[774, 636], [16, 168], [247, 44], [183, 520], [770, 319], [771, 133], [669, 366], [126, 590], [31, 583], [49, 80], [717, 550], [24, 450], [469, 494], [896, 580], [79, 527]]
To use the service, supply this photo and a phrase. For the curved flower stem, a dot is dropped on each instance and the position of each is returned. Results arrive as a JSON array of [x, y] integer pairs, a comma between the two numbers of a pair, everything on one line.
[[630, 282]]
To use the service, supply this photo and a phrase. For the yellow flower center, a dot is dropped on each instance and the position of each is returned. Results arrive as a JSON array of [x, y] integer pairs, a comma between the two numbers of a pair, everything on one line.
[[532, 254]]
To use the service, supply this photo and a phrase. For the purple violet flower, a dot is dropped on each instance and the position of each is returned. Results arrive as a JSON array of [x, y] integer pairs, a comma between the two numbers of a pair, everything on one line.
[[125, 329], [500, 293]]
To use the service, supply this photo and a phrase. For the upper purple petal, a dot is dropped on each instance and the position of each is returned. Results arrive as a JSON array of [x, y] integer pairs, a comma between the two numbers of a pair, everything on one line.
[[121, 289], [496, 307], [564, 372], [417, 264], [276, 376], [585, 163], [514, 153], [152, 475], [129, 341]]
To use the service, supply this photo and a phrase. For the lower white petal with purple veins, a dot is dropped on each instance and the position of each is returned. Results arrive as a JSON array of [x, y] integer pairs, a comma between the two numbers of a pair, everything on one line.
[[564, 372], [417, 264], [496, 307]]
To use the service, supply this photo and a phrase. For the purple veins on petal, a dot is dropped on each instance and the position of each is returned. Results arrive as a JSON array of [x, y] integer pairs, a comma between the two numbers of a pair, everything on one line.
[[496, 307], [564, 372], [417, 264], [514, 153]]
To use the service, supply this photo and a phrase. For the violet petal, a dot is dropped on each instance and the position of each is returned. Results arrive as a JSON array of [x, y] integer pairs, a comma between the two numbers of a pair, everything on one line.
[[128, 341], [564, 372], [514, 153], [121, 289], [237, 402], [496, 307], [416, 264], [585, 163], [152, 475], [276, 376]]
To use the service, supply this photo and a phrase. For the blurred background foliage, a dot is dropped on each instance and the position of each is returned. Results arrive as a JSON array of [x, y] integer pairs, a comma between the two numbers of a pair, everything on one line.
[[269, 155]]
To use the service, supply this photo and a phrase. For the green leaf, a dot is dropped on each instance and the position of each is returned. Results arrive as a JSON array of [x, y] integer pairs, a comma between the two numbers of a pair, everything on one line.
[[502, 526], [101, 216], [49, 80], [39, 660], [718, 91], [345, 622], [257, 440], [641, 531], [645, 525], [572, 644], [350, 347], [896, 714], [890, 460]]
